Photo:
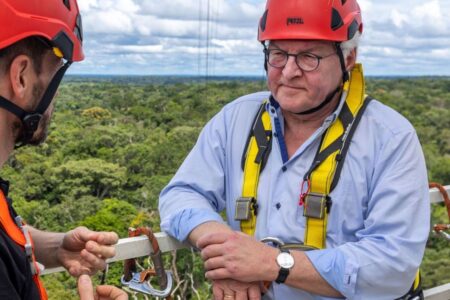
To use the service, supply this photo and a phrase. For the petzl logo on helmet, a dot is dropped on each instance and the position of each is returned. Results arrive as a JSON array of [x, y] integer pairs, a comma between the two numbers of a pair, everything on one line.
[[294, 21]]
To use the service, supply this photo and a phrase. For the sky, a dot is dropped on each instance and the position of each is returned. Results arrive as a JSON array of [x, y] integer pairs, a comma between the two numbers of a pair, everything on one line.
[[173, 37]]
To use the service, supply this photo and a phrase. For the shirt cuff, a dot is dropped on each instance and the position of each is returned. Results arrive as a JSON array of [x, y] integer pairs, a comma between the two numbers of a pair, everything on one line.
[[340, 273], [181, 224]]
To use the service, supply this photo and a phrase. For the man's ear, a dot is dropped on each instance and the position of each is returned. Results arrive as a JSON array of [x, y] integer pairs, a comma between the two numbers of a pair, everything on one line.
[[21, 74], [350, 60]]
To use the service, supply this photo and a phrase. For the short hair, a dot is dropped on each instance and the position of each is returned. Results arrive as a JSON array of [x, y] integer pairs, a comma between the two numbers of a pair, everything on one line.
[[351, 44], [34, 47]]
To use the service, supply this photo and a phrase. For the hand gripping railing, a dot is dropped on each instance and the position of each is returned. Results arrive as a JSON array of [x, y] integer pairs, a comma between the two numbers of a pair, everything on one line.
[[139, 246]]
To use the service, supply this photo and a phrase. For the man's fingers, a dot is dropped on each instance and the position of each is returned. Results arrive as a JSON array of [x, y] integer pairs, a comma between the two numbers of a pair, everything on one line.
[[94, 262], [212, 251], [82, 233], [213, 238], [241, 295], [217, 292], [106, 238], [108, 292], [218, 274], [85, 289], [100, 250], [214, 263], [254, 292]]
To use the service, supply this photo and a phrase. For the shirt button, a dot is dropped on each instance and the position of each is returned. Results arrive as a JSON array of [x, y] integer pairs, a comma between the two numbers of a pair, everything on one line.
[[284, 168]]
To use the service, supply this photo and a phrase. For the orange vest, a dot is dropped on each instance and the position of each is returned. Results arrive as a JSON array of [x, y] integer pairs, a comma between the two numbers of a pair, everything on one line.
[[23, 239]]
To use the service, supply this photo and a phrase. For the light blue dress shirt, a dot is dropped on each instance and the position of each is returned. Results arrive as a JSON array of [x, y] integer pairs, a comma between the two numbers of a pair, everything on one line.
[[379, 221]]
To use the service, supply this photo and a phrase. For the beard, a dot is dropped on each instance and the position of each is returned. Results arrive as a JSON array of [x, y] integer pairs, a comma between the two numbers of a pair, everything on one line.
[[40, 135]]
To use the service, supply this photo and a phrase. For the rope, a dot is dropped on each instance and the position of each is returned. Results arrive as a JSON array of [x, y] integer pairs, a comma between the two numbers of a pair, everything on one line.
[[440, 228]]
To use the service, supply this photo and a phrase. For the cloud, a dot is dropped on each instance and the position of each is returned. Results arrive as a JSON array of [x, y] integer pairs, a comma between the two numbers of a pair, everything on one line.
[[160, 37]]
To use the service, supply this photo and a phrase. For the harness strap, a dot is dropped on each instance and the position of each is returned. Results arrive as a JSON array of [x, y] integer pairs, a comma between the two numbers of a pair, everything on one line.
[[21, 237], [330, 154], [258, 149]]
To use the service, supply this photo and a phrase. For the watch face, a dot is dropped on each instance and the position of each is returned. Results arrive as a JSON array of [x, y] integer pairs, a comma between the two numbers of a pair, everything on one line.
[[285, 260]]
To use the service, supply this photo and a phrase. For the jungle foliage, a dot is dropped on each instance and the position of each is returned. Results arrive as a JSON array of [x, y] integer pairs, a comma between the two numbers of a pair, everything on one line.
[[114, 144]]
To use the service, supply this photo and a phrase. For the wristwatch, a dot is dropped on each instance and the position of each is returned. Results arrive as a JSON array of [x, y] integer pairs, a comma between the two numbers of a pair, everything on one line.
[[285, 261]]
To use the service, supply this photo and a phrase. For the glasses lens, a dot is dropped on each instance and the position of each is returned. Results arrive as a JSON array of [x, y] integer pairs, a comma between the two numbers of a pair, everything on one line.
[[277, 58], [307, 61]]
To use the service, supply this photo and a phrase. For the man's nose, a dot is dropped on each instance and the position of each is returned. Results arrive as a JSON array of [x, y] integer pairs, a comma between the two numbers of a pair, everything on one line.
[[291, 69]]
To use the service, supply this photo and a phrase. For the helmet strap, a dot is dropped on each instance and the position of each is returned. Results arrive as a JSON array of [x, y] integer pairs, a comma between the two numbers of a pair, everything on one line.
[[342, 61], [265, 55], [30, 120], [322, 104]]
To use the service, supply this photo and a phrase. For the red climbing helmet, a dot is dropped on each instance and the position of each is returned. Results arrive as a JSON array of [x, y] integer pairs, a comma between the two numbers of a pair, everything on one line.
[[331, 20], [58, 21]]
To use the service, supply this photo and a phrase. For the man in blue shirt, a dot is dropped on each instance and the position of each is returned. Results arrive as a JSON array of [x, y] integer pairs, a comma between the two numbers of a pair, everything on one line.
[[378, 223]]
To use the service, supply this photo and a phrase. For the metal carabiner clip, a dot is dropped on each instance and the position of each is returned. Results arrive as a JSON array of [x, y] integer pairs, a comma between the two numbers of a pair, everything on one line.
[[140, 281], [274, 240], [135, 284]]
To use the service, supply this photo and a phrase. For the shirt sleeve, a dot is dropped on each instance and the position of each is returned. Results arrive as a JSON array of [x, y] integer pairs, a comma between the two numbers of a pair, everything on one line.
[[196, 194], [382, 262]]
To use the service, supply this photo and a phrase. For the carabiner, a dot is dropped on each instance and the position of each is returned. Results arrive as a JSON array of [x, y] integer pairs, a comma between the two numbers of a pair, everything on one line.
[[145, 287]]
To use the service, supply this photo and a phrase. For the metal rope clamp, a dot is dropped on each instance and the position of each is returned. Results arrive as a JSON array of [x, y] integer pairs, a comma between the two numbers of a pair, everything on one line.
[[140, 281]]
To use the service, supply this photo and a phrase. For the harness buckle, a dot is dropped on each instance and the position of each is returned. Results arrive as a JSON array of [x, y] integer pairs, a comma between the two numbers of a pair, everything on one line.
[[316, 205], [244, 206]]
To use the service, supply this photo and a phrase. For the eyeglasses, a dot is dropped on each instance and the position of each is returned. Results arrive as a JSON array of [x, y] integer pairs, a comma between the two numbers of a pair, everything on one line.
[[306, 61]]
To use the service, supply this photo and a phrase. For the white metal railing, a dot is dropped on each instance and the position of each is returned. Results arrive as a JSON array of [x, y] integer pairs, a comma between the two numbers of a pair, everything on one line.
[[139, 246]]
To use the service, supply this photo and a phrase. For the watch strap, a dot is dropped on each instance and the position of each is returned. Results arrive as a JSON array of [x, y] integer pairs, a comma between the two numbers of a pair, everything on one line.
[[284, 272]]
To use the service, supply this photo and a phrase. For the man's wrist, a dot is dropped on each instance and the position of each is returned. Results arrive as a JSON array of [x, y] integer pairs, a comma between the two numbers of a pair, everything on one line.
[[271, 272]]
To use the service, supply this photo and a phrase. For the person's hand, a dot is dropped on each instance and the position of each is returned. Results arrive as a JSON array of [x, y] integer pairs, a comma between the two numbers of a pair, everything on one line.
[[237, 256], [229, 289], [83, 251], [103, 292]]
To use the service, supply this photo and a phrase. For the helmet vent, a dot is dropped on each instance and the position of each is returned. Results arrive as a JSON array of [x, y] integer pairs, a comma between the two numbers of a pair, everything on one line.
[[336, 20], [67, 3], [78, 30], [262, 23], [352, 29], [343, 1]]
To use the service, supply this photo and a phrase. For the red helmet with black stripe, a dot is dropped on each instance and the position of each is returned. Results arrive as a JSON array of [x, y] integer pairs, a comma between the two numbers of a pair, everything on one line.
[[58, 21], [331, 20]]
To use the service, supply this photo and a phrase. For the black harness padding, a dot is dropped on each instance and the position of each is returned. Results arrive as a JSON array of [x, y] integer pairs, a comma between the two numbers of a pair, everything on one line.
[[263, 140]]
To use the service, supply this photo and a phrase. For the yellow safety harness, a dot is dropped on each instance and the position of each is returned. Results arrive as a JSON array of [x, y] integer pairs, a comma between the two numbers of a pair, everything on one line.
[[321, 178]]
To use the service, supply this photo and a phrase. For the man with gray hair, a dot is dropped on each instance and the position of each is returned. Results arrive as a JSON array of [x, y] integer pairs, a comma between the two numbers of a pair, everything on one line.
[[325, 189]]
